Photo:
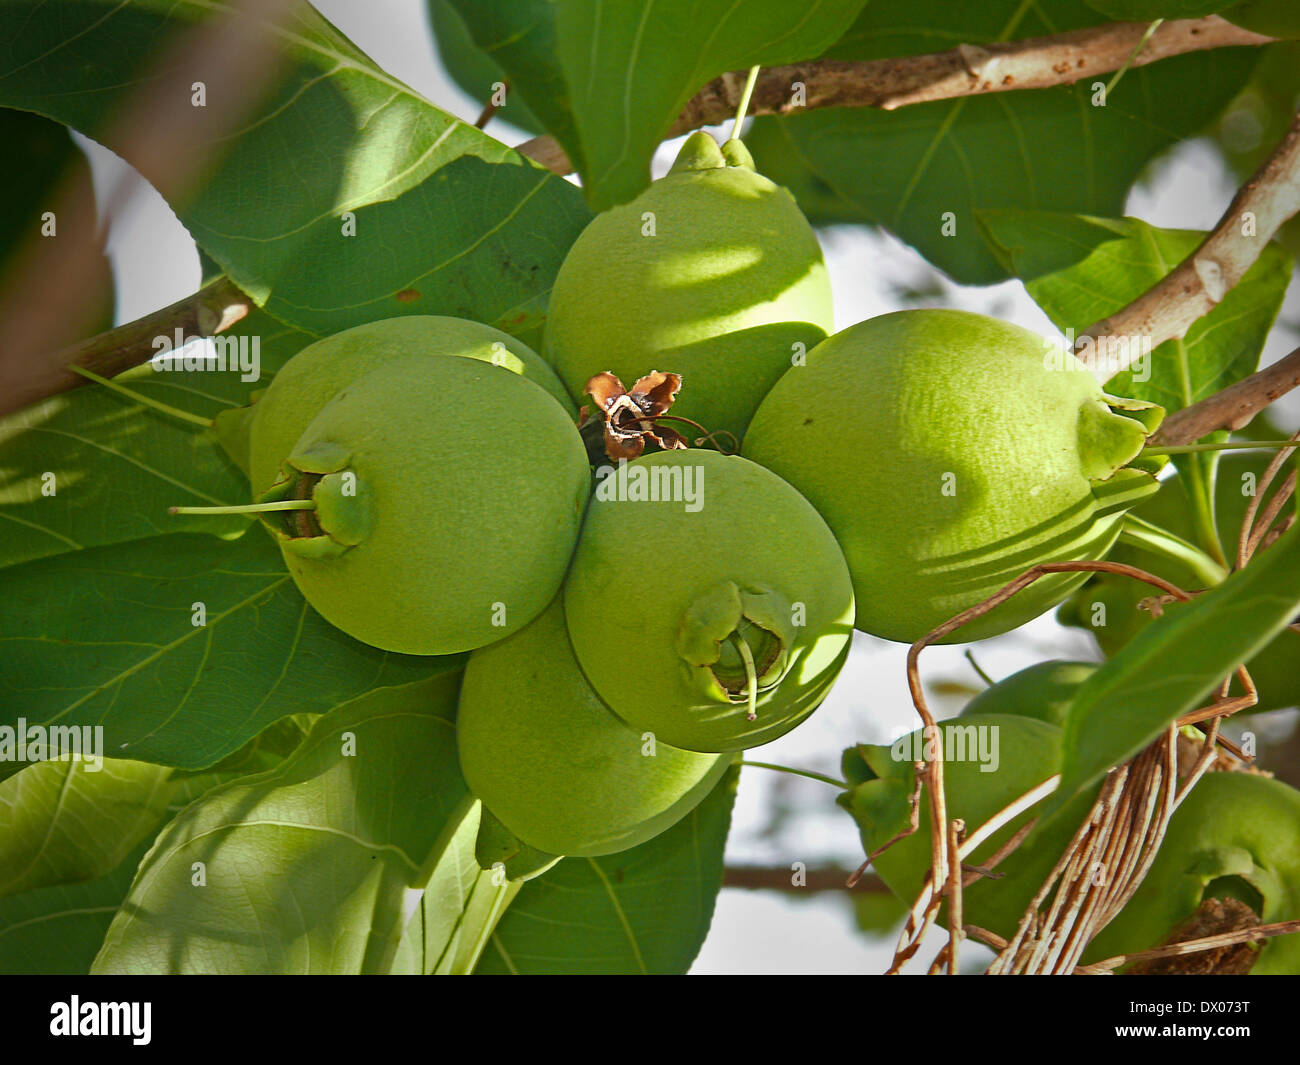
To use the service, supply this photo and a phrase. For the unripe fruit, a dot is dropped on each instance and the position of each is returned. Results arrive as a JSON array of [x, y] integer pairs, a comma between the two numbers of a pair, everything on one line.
[[448, 496], [712, 273], [950, 452], [1044, 691], [1107, 606], [312, 377], [705, 589], [551, 761], [1236, 835], [1027, 753]]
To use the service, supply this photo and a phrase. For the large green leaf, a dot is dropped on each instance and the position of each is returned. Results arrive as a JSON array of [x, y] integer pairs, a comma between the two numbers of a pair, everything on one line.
[[314, 866], [65, 821], [107, 637], [59, 930], [608, 79], [90, 467], [474, 71], [447, 220], [1049, 149], [1174, 664], [644, 910], [1146, 10]]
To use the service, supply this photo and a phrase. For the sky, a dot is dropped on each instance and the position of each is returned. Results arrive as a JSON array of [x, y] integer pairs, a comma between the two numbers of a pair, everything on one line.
[[155, 263]]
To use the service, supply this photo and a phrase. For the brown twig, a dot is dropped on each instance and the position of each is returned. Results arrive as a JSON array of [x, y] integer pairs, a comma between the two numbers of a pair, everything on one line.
[[211, 310], [780, 878], [967, 70], [1233, 408], [1198, 284]]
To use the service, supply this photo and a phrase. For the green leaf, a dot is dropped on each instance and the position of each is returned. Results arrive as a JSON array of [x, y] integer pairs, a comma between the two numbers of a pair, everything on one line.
[[1146, 10], [88, 467], [473, 70], [644, 910], [1174, 664], [609, 79], [108, 637], [313, 866], [1079, 270], [58, 930], [447, 220], [65, 821], [1049, 149]]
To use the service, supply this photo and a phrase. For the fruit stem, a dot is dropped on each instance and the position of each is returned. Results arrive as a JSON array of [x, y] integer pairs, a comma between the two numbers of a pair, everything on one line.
[[144, 401], [249, 508], [751, 676], [843, 785], [1139, 532], [1110, 86], [743, 109], [1228, 445], [976, 666]]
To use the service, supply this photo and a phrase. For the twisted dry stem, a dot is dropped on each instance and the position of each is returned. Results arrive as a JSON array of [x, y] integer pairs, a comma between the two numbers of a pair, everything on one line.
[[1110, 853]]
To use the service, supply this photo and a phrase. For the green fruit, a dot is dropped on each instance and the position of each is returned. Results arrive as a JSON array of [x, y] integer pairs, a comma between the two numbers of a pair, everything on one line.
[[307, 381], [1236, 834], [553, 764], [1107, 606], [1044, 691], [950, 452], [667, 598], [1028, 753], [1275, 18], [448, 497], [711, 273]]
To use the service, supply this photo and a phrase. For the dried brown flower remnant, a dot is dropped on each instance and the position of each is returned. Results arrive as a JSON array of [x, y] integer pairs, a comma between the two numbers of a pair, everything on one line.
[[1214, 917], [630, 416]]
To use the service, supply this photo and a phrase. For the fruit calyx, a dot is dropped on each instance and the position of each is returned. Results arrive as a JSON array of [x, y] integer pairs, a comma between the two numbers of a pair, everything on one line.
[[342, 516], [1112, 432], [739, 639], [701, 152]]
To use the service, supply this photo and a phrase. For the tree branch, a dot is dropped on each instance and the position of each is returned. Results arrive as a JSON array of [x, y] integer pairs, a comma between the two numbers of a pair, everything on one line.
[[1234, 407], [779, 878], [1198, 284], [967, 70], [211, 310]]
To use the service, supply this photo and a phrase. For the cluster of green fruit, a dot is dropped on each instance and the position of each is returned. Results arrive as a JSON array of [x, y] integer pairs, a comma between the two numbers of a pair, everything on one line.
[[628, 636], [1236, 835]]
